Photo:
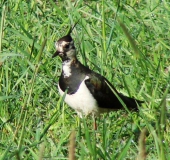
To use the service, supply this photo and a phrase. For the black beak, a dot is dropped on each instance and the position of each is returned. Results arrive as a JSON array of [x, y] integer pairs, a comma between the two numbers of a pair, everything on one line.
[[55, 54]]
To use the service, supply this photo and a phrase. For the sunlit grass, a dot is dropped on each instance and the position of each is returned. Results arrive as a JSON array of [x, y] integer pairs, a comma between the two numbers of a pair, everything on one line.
[[127, 42]]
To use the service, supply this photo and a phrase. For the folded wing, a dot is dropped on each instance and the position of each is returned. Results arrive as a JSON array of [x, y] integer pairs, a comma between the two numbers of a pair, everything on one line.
[[106, 97]]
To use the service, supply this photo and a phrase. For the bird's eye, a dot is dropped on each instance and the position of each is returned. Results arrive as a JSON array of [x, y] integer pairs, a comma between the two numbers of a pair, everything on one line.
[[66, 46]]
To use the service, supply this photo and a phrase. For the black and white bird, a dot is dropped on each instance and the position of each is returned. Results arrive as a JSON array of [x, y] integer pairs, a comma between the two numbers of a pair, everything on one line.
[[88, 92]]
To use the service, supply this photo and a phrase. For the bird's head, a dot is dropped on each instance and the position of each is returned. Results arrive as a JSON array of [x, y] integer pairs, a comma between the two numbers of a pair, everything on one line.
[[65, 48]]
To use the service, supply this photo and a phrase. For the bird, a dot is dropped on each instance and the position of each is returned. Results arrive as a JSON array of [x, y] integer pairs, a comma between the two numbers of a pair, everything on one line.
[[86, 91]]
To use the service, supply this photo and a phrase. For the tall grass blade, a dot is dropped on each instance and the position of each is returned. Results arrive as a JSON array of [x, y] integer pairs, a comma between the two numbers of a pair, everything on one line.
[[125, 149], [2, 29], [130, 39]]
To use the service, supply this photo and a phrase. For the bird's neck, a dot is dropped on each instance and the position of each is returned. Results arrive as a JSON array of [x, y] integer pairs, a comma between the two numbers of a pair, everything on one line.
[[68, 65], [69, 61]]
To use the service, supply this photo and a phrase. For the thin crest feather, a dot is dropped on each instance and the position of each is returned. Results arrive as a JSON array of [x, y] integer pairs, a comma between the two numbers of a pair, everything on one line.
[[71, 28]]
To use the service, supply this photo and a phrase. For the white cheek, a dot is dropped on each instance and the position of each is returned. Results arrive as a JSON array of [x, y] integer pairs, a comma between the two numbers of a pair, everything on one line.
[[59, 47], [56, 45]]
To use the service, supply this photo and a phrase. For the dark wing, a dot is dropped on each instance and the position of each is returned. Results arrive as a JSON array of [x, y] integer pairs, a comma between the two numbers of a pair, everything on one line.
[[106, 97]]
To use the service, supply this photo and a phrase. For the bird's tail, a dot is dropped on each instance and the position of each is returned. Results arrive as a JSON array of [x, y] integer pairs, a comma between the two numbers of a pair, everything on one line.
[[131, 103]]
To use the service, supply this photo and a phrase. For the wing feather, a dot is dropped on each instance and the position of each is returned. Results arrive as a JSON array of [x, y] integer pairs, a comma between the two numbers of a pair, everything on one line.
[[104, 95]]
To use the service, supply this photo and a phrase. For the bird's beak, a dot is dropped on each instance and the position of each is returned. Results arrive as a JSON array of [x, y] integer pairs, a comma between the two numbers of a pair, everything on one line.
[[56, 54]]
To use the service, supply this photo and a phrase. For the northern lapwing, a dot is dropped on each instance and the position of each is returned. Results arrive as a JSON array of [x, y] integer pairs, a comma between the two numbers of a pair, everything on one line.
[[87, 92]]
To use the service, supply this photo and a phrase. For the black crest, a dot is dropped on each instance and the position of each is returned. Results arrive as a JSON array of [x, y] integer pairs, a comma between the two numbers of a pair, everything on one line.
[[66, 38]]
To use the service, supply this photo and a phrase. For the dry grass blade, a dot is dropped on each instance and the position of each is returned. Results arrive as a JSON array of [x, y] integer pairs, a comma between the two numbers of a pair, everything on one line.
[[142, 147], [72, 146], [41, 151]]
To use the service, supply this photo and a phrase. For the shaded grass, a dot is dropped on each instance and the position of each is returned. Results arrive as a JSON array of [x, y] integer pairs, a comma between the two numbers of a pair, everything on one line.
[[31, 112]]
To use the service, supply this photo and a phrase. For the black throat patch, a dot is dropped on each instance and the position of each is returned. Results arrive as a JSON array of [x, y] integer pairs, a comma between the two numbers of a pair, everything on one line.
[[72, 83]]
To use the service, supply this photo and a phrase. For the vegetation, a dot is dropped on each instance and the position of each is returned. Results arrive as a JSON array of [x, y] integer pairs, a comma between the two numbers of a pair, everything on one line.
[[125, 41]]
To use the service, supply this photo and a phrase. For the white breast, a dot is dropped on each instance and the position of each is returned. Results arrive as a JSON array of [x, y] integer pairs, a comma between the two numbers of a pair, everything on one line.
[[82, 101]]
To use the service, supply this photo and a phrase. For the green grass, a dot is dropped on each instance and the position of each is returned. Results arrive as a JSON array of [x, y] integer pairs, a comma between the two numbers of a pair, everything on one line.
[[125, 41]]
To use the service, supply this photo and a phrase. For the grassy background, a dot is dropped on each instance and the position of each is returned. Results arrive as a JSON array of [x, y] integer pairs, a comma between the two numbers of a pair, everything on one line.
[[126, 41]]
